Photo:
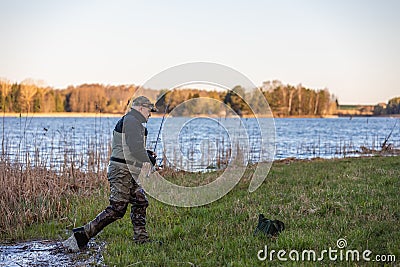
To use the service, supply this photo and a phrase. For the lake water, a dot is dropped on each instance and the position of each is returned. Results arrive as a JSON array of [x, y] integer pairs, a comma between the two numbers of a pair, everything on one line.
[[195, 144]]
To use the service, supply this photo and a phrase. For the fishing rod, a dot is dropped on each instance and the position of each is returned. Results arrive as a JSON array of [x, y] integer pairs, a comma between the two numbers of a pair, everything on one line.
[[159, 130], [158, 137], [388, 137]]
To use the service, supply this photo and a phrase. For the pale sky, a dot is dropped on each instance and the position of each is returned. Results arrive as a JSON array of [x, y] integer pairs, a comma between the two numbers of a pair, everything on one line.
[[349, 47]]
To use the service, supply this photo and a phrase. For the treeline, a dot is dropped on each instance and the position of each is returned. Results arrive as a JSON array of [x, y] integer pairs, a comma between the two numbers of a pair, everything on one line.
[[284, 100], [392, 107], [28, 97], [288, 100]]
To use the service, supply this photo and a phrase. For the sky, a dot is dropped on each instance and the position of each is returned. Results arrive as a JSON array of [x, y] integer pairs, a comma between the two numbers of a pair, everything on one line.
[[349, 47]]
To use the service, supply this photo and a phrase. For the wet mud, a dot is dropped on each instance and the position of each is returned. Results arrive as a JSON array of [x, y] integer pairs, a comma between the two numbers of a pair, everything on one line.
[[49, 253]]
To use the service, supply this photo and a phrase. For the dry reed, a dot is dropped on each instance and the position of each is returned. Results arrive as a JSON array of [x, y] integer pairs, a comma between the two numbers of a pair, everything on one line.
[[35, 194]]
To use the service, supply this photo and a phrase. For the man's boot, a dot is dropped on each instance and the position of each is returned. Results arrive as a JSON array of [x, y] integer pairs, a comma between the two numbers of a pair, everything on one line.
[[80, 236], [113, 212], [138, 218], [140, 235]]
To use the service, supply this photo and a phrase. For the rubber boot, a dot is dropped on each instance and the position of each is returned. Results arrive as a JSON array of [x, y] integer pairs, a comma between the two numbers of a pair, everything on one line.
[[138, 218], [115, 211], [80, 237], [140, 235]]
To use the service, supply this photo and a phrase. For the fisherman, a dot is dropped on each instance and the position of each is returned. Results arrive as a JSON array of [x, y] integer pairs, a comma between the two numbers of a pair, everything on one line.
[[127, 158]]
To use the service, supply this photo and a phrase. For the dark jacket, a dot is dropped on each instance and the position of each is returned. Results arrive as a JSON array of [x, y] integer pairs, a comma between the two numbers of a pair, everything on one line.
[[129, 138]]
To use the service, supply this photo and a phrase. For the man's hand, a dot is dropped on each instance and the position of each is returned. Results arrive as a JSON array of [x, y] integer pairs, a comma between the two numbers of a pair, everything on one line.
[[152, 156]]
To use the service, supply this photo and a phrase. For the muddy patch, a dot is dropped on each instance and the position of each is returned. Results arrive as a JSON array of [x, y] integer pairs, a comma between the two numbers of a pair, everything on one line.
[[49, 253]]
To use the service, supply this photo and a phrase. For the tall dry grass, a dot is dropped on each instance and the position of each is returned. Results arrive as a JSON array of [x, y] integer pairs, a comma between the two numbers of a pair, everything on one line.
[[36, 194]]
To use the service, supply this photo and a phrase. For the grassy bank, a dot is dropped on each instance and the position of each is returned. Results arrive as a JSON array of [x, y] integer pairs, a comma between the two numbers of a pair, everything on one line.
[[319, 201]]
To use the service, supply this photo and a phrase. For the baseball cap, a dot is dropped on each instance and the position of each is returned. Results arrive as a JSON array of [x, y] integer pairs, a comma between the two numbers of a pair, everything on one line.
[[144, 102]]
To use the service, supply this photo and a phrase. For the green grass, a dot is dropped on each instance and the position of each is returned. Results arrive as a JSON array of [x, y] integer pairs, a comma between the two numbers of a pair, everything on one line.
[[319, 201]]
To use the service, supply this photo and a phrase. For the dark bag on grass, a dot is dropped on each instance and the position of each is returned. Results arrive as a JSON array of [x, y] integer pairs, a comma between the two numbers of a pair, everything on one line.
[[269, 227]]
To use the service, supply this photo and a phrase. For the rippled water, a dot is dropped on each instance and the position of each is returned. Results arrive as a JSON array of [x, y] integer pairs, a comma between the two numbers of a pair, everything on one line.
[[196, 143]]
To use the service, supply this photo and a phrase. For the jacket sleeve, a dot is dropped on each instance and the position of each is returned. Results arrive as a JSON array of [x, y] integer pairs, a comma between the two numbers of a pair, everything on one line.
[[134, 136]]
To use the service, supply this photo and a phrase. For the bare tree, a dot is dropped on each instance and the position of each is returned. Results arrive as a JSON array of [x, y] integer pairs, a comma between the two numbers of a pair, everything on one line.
[[5, 89], [299, 88], [28, 91], [5, 86], [316, 103], [310, 102], [291, 93]]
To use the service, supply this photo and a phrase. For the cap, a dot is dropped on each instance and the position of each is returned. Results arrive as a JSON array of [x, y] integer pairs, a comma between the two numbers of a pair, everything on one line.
[[144, 102]]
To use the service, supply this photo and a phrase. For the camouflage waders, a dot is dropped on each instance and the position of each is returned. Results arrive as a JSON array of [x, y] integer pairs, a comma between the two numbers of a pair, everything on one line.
[[127, 157], [124, 190]]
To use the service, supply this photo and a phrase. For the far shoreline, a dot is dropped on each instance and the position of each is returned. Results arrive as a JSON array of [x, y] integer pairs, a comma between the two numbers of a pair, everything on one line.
[[111, 115]]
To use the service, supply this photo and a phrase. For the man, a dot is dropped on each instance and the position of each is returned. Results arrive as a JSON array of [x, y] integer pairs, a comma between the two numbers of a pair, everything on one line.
[[128, 155]]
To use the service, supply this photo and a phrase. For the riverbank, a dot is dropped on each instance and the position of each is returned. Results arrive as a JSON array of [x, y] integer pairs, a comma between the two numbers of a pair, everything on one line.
[[320, 202]]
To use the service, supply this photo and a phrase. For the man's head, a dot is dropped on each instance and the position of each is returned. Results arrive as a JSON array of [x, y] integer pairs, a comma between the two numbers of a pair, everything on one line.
[[144, 106]]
